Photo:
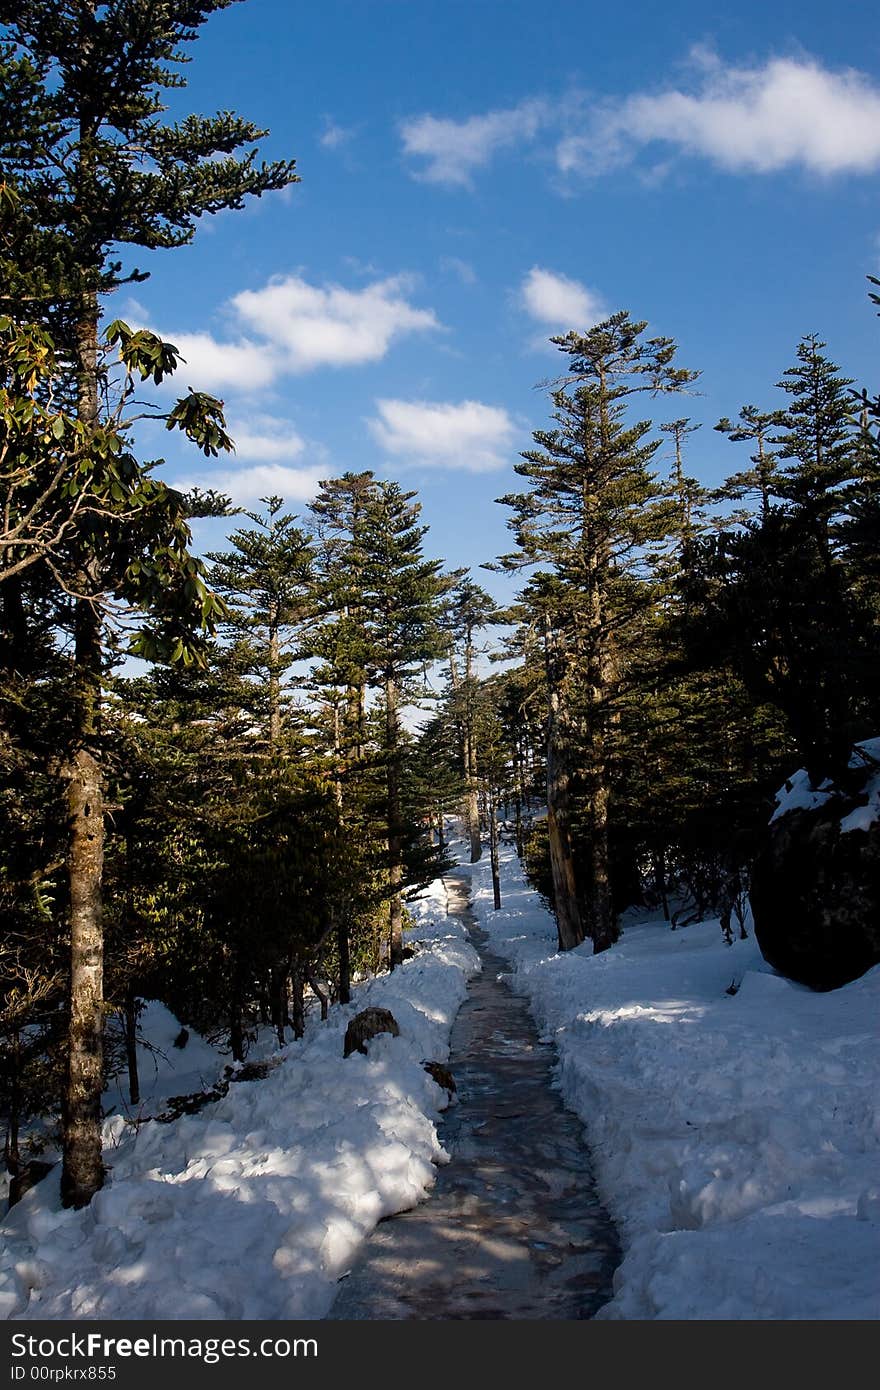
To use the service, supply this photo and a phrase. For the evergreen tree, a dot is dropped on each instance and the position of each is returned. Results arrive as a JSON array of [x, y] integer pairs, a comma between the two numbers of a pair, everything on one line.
[[593, 514], [817, 435], [774, 598], [468, 609], [94, 167], [759, 481], [400, 600], [336, 642], [686, 491], [265, 580]]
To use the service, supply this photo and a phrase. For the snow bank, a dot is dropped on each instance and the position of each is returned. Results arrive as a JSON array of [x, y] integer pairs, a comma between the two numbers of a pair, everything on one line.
[[798, 794], [735, 1135], [253, 1208]]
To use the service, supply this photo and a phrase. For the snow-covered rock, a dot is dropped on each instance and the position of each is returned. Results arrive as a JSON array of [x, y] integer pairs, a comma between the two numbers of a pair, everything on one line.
[[815, 889]]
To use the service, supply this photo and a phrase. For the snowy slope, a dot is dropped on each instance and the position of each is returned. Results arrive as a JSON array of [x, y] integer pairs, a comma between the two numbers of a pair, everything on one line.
[[254, 1207], [736, 1136]]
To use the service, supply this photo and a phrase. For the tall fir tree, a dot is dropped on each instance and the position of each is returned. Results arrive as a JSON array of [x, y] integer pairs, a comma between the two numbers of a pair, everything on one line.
[[593, 514], [817, 434], [468, 609], [96, 168], [265, 580], [401, 596], [752, 426]]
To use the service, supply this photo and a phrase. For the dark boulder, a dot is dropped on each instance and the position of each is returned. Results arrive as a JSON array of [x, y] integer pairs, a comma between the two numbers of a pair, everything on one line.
[[442, 1075], [815, 888], [27, 1177], [366, 1025]]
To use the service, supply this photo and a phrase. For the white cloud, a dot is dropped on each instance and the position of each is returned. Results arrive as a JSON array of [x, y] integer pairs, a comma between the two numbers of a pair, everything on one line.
[[290, 326], [248, 485], [453, 265], [336, 135], [788, 113], [312, 326], [467, 434], [454, 149], [266, 438], [560, 302], [210, 365]]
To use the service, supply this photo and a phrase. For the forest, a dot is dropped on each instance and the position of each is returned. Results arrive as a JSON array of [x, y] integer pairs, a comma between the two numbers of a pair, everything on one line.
[[224, 775]]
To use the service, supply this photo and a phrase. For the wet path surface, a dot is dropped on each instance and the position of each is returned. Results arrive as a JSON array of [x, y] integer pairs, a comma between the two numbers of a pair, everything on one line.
[[512, 1227]]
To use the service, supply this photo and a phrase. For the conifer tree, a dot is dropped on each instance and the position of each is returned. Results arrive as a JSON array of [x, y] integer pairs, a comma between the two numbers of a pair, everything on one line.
[[265, 580], [753, 427], [336, 642], [468, 609], [817, 429], [95, 168], [686, 491], [400, 600], [593, 514], [774, 598]]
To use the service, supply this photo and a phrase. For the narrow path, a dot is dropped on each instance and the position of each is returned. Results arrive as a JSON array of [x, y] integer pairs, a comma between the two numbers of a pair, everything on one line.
[[513, 1227]]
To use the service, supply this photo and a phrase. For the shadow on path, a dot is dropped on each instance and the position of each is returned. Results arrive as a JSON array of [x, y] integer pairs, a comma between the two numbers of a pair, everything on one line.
[[513, 1227]]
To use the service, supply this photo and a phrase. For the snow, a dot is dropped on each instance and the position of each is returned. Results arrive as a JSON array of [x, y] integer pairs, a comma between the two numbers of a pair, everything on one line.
[[254, 1207], [733, 1118], [735, 1135], [164, 1070], [798, 793], [863, 817]]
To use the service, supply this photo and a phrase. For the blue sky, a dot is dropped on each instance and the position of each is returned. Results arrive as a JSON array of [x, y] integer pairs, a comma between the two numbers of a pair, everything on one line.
[[479, 174]]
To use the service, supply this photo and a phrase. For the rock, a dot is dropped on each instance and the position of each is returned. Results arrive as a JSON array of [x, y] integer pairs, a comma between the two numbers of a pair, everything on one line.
[[442, 1075], [252, 1071], [366, 1025], [22, 1182], [815, 888]]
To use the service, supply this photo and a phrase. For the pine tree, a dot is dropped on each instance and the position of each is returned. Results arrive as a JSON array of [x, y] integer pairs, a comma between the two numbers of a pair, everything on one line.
[[593, 514], [468, 609], [265, 580], [337, 644], [817, 429], [753, 426], [686, 491], [774, 597], [94, 167], [400, 595]]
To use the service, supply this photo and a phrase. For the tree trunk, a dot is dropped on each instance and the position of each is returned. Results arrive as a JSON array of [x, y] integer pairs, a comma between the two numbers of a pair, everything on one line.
[[660, 880], [395, 866], [343, 946], [11, 1153], [319, 995], [471, 805], [566, 900], [236, 1025], [569, 922], [602, 917], [471, 752], [82, 1172], [274, 678], [298, 1018], [493, 850], [278, 1000], [518, 801], [472, 815], [131, 1057]]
